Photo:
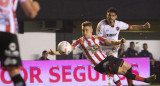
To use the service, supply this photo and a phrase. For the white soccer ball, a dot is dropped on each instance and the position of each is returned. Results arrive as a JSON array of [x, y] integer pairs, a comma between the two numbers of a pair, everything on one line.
[[64, 48]]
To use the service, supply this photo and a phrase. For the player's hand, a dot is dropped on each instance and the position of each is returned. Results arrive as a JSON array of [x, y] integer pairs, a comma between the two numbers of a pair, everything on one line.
[[123, 40], [146, 25], [36, 5], [51, 52]]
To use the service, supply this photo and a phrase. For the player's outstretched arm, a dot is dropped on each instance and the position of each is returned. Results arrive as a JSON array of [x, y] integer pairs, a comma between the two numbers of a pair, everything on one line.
[[114, 42], [30, 8], [137, 27], [51, 52]]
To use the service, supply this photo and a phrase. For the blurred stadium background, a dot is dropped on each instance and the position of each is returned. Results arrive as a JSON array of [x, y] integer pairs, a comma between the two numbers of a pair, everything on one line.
[[61, 20]]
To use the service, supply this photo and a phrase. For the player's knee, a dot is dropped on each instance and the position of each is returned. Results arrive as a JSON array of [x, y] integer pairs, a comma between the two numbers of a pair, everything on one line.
[[126, 66], [14, 72], [129, 66], [122, 71]]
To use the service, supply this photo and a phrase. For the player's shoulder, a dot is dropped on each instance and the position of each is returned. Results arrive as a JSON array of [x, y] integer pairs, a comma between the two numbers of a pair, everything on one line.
[[119, 22], [102, 22], [80, 38], [97, 37]]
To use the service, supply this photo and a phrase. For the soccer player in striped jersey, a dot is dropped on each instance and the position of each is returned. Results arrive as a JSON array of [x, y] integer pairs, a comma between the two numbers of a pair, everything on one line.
[[9, 48], [109, 28], [100, 61]]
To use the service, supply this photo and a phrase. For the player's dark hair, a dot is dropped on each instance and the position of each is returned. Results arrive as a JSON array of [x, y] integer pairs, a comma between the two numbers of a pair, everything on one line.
[[44, 52], [86, 23], [131, 43], [114, 10], [144, 44]]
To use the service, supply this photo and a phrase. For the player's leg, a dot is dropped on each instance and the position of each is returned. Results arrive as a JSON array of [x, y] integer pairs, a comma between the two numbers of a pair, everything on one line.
[[16, 77], [10, 57], [129, 69], [111, 77], [124, 71], [117, 80], [130, 81]]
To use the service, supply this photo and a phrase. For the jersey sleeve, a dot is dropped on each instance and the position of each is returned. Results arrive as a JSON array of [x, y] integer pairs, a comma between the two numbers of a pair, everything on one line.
[[124, 26], [101, 40], [99, 30], [76, 43]]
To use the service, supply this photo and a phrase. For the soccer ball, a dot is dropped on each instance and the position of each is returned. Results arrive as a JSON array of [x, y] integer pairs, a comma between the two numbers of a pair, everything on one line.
[[64, 48]]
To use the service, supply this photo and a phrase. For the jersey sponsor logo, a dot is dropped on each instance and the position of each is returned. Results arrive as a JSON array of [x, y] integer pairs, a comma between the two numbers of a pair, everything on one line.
[[10, 61], [93, 48], [111, 34], [12, 52], [117, 28], [12, 46]]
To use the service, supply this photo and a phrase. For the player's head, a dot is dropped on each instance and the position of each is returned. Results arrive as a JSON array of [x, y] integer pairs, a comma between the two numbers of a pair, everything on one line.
[[87, 29], [132, 45], [145, 46], [44, 54], [111, 15]]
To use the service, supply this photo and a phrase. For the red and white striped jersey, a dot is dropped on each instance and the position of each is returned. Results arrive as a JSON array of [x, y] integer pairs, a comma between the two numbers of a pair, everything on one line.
[[91, 47], [8, 21]]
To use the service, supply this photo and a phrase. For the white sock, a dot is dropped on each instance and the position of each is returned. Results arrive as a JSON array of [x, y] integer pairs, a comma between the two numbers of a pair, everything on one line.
[[116, 78], [110, 80]]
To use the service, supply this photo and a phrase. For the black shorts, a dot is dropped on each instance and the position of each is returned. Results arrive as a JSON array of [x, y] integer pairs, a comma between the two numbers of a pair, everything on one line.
[[9, 51], [109, 65]]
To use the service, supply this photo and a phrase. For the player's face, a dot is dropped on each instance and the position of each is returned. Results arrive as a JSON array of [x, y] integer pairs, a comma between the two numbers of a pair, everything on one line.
[[145, 47], [132, 46], [45, 55], [111, 17], [87, 31]]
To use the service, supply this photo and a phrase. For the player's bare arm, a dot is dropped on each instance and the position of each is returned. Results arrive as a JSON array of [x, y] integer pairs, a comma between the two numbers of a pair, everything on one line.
[[51, 52], [137, 27], [114, 42], [30, 8]]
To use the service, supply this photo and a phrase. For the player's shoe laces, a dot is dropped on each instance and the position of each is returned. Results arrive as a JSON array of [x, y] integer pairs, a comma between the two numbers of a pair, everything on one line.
[[151, 79]]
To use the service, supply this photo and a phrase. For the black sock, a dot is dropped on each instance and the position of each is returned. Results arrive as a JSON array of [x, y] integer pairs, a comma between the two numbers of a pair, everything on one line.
[[116, 82], [18, 80], [130, 75], [130, 81]]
